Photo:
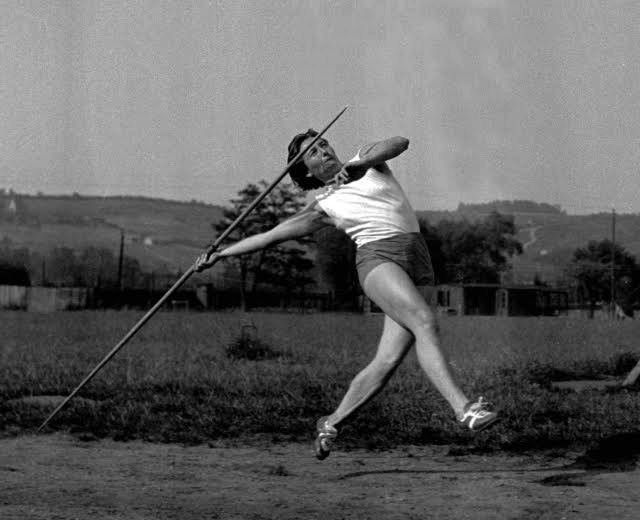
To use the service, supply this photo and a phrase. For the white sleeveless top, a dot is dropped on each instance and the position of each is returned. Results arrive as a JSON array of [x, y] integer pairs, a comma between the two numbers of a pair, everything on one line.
[[371, 208]]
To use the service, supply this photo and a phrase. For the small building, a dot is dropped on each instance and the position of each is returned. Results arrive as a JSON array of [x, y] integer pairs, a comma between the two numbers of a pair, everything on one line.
[[532, 301], [466, 299], [500, 300]]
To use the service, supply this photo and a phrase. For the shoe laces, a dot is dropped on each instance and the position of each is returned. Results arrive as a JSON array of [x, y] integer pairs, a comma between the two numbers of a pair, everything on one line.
[[479, 408], [329, 433]]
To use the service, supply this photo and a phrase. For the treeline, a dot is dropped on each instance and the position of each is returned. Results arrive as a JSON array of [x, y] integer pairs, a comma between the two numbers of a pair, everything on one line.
[[471, 245], [603, 271], [64, 267], [509, 207], [462, 251], [15, 264]]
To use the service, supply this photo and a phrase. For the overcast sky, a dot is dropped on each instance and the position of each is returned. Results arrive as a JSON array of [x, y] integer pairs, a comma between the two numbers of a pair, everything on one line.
[[192, 99]]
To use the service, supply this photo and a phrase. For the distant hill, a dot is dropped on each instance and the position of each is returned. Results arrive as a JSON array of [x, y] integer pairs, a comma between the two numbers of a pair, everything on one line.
[[166, 235], [548, 233], [163, 235]]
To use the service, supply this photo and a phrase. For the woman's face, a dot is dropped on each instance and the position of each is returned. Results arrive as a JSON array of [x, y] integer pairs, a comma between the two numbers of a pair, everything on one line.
[[321, 160]]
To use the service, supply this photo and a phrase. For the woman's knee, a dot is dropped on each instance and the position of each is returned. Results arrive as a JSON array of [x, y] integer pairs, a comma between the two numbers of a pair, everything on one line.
[[422, 319]]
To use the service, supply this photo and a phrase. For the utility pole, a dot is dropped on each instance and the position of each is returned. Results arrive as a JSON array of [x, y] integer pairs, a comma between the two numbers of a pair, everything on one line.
[[121, 260], [613, 262]]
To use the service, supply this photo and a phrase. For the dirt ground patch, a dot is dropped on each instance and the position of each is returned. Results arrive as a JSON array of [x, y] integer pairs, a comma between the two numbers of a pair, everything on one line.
[[61, 477]]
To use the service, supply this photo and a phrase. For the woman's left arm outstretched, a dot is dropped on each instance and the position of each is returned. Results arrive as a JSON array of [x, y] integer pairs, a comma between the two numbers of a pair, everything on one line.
[[305, 222]]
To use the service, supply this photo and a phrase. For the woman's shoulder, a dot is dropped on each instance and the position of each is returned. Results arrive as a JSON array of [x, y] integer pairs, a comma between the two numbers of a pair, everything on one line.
[[323, 195], [312, 206]]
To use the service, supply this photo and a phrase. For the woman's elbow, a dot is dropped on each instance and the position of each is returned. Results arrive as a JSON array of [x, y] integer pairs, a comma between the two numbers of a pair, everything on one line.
[[401, 143]]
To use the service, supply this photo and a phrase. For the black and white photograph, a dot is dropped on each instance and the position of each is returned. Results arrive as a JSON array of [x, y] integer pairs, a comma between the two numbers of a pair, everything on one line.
[[346, 259]]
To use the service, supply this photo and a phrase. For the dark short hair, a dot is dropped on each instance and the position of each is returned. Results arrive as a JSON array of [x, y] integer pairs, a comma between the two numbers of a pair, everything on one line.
[[298, 172]]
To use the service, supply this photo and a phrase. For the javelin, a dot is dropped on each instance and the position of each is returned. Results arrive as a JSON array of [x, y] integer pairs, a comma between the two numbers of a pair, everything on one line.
[[189, 271]]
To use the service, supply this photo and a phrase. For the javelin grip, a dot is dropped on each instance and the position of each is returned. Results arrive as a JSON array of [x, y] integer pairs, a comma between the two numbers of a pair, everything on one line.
[[187, 274]]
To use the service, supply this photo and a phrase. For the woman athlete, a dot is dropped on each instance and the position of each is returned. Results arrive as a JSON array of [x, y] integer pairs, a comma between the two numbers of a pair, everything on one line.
[[363, 198]]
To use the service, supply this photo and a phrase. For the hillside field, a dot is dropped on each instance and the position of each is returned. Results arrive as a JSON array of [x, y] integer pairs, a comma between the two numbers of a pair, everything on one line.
[[162, 235]]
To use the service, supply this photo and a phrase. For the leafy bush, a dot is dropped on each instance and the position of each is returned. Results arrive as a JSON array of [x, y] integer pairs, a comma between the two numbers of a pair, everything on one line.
[[248, 346]]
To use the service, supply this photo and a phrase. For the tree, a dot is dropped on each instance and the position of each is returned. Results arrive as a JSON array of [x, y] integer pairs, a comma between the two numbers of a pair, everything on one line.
[[14, 264], [63, 267], [11, 274], [590, 267], [434, 239], [132, 275], [284, 265], [466, 252], [288, 268], [336, 254], [99, 267]]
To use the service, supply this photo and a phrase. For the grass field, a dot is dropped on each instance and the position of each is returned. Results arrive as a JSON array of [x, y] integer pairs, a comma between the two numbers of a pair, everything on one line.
[[176, 382]]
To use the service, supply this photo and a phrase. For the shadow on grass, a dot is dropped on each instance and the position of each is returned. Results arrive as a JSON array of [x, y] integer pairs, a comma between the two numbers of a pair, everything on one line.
[[616, 367], [615, 454], [356, 474]]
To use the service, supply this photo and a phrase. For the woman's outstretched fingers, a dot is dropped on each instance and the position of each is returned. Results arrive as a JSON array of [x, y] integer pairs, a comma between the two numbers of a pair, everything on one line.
[[205, 260]]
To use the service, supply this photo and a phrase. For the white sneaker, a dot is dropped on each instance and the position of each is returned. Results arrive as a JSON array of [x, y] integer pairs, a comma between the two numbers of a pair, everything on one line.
[[477, 417], [326, 434]]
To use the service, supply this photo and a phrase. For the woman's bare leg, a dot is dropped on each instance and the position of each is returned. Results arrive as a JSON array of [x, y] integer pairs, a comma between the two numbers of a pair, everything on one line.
[[394, 344], [408, 317], [394, 292]]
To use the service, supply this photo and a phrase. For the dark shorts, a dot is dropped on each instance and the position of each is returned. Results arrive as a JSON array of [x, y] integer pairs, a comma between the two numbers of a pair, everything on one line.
[[408, 250]]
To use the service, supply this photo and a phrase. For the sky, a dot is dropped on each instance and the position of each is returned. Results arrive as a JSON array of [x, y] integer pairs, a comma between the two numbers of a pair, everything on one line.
[[195, 99]]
